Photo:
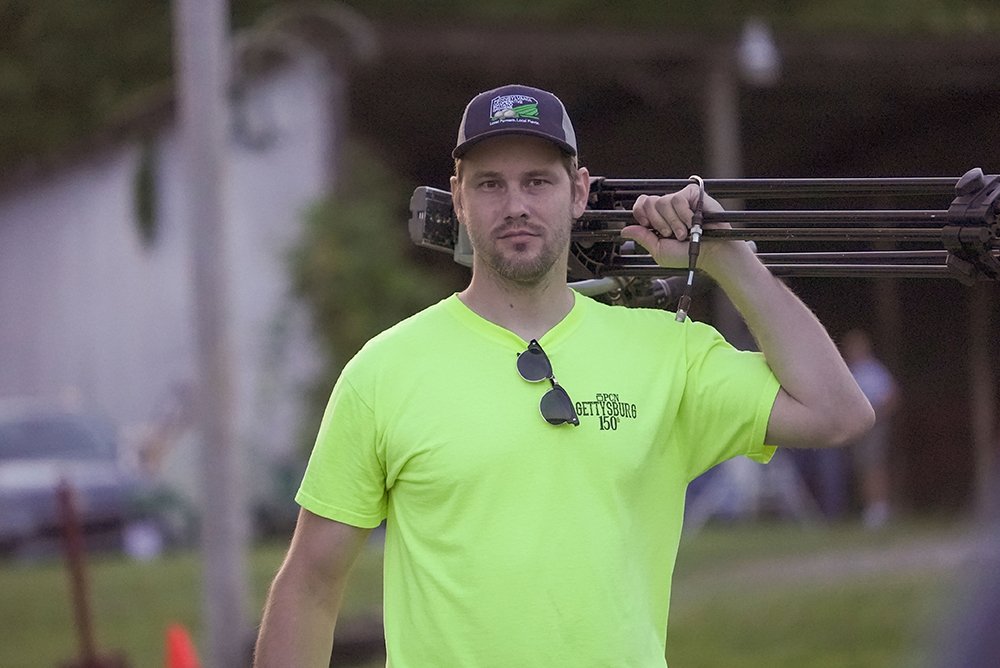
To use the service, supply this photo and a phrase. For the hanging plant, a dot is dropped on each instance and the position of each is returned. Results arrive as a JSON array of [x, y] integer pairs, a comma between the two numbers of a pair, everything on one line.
[[145, 193]]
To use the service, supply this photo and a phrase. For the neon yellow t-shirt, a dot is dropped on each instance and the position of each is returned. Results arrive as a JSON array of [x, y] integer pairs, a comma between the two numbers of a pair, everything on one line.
[[512, 542]]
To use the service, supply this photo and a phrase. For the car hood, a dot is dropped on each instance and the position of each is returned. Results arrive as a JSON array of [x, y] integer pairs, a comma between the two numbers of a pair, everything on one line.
[[44, 474]]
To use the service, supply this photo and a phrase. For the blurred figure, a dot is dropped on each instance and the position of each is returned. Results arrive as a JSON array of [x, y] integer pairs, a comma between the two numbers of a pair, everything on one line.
[[871, 453]]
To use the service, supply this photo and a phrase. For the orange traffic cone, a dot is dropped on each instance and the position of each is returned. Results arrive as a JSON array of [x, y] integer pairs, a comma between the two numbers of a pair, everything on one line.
[[180, 649]]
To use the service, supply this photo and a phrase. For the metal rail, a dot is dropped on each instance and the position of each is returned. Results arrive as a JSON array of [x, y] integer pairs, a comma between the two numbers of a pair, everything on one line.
[[957, 242]]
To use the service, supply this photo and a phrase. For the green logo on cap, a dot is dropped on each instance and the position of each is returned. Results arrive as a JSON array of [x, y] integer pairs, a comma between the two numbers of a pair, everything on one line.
[[510, 107], [523, 111]]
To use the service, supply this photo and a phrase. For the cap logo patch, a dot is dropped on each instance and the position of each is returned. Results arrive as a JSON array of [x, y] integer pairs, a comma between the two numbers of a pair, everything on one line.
[[522, 108]]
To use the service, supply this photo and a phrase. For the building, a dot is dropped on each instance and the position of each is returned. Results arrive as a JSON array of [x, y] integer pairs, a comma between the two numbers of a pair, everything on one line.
[[96, 290]]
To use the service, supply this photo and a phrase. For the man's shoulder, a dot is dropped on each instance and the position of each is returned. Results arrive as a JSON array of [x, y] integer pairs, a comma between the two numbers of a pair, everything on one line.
[[650, 326], [429, 321], [629, 316]]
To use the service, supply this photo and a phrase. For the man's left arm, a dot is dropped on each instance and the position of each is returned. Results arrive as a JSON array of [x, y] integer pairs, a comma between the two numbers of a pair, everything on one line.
[[819, 403]]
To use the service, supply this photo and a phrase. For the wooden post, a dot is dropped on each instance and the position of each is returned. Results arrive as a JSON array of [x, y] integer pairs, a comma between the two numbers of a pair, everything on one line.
[[76, 564]]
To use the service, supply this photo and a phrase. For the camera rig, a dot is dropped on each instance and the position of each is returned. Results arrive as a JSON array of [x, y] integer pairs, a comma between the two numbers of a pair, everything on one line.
[[960, 242]]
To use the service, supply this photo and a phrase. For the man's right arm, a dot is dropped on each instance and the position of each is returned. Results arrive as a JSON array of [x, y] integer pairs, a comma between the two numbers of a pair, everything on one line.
[[304, 600]]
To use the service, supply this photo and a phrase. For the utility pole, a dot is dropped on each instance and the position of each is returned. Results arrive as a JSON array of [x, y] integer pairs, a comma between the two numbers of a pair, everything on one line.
[[202, 57]]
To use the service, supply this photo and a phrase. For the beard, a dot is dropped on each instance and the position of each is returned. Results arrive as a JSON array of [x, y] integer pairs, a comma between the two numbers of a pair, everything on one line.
[[519, 264]]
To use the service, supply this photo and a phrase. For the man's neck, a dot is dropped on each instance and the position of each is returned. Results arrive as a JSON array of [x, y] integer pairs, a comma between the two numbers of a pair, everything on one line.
[[527, 310]]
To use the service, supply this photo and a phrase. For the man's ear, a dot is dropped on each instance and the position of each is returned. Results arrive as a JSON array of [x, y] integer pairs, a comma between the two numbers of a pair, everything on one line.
[[456, 199], [581, 191]]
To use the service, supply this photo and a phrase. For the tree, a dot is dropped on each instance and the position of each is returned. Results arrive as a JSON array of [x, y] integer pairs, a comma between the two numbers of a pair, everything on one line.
[[67, 68], [355, 266]]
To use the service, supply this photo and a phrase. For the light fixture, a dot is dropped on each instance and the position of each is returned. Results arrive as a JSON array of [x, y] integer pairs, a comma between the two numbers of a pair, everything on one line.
[[757, 55]]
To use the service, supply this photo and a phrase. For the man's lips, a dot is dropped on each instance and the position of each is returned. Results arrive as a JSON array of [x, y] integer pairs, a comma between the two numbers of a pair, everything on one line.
[[516, 234]]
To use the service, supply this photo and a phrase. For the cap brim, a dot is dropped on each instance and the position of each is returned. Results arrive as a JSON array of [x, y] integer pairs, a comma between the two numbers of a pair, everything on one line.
[[464, 147]]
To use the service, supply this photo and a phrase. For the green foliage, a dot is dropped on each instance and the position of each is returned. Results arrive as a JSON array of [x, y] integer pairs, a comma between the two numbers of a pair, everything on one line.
[[978, 16], [356, 267], [145, 194], [66, 68], [913, 17]]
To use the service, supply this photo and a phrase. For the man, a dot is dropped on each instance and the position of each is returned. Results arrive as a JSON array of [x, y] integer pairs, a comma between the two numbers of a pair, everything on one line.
[[514, 539]]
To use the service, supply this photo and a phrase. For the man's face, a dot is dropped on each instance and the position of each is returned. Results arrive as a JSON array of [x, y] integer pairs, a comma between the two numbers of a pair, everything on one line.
[[518, 204]]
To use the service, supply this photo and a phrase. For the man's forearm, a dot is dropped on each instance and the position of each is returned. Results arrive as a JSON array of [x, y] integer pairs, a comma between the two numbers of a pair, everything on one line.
[[298, 623], [302, 606]]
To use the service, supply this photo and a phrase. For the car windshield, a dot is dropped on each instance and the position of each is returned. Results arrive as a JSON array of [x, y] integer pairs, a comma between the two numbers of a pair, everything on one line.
[[55, 436]]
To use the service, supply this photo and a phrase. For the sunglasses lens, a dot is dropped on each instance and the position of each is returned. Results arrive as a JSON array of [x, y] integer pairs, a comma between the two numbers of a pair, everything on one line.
[[533, 365], [557, 408]]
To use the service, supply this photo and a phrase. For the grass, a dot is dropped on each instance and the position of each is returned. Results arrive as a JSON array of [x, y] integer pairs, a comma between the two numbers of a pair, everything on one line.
[[744, 595], [788, 597], [849, 626], [133, 603]]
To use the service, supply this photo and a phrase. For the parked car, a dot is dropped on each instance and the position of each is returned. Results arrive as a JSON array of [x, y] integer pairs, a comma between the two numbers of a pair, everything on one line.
[[42, 446]]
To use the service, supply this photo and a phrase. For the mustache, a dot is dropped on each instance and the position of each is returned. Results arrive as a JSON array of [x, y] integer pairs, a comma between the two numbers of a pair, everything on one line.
[[519, 226]]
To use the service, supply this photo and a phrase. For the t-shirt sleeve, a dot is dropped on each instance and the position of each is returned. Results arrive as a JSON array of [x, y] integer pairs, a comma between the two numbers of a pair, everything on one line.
[[727, 402], [345, 478]]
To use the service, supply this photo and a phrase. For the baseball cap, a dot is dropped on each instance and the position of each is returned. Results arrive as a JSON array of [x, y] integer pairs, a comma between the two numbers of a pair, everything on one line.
[[515, 109]]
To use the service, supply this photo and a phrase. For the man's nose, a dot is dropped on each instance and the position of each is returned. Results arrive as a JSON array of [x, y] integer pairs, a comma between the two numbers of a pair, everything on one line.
[[516, 203]]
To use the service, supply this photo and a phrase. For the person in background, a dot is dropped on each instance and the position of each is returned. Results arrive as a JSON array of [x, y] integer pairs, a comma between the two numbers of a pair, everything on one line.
[[871, 452]]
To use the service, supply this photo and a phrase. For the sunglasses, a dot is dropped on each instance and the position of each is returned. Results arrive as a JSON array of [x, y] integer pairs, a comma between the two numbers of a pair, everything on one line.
[[556, 406]]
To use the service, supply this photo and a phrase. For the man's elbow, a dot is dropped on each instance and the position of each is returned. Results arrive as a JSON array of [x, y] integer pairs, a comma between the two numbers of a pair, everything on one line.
[[852, 424]]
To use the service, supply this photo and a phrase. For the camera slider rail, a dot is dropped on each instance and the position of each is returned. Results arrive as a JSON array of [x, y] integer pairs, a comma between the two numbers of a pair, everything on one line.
[[960, 242]]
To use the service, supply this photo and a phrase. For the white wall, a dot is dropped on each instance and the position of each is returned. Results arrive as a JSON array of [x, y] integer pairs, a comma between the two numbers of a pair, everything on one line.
[[87, 309]]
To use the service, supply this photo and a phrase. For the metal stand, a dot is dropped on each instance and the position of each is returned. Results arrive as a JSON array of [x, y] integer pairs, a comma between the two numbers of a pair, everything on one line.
[[741, 487], [958, 242]]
